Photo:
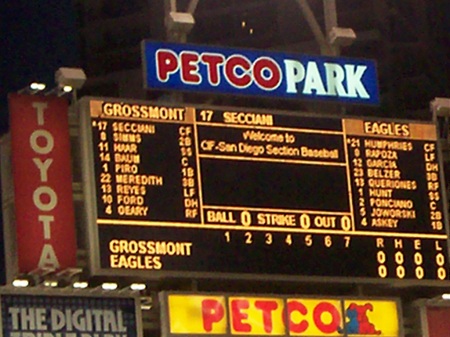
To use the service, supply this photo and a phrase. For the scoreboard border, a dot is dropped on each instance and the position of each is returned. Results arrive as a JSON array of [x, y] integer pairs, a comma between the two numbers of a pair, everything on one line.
[[90, 205]]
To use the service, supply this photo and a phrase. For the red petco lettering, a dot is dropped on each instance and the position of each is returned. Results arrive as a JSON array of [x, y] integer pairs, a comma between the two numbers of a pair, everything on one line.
[[308, 78], [213, 312], [42, 182], [237, 70]]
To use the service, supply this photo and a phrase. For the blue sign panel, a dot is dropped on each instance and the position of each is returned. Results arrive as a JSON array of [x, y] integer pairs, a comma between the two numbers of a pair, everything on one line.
[[259, 73], [68, 316]]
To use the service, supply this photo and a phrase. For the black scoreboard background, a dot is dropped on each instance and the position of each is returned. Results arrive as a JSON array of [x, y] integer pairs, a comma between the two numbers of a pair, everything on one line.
[[174, 191]]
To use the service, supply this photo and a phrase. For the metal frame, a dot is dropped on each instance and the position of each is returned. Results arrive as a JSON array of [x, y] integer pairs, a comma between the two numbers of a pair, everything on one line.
[[440, 107], [86, 144], [88, 182], [8, 208]]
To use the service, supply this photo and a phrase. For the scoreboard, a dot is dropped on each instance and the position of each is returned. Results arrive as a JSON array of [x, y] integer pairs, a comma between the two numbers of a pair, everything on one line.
[[195, 191]]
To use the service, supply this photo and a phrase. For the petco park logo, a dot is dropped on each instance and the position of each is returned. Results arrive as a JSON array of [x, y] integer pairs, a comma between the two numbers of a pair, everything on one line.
[[258, 73]]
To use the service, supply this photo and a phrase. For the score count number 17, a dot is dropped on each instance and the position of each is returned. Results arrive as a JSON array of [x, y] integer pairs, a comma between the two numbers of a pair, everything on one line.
[[206, 115]]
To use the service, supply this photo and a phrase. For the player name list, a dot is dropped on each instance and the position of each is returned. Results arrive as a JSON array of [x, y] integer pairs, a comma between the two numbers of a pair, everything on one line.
[[269, 173]]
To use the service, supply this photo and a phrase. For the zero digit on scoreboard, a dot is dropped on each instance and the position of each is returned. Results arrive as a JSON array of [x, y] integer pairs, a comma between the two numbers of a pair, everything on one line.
[[381, 259]]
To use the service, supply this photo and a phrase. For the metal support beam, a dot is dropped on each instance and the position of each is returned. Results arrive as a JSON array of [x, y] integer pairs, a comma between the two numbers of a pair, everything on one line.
[[192, 6], [178, 25], [440, 108], [320, 37], [330, 13], [173, 5], [331, 22]]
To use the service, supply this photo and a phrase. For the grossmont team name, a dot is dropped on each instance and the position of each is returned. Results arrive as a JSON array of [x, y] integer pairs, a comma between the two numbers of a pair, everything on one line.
[[150, 247], [143, 111]]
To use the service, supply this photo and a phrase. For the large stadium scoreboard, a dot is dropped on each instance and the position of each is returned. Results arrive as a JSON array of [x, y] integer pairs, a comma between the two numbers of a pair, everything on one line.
[[185, 190]]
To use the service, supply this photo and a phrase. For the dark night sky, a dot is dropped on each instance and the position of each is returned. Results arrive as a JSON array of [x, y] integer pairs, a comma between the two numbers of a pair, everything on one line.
[[37, 37]]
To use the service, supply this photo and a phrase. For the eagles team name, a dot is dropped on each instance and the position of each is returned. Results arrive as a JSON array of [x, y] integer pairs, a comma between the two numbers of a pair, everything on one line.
[[270, 74]]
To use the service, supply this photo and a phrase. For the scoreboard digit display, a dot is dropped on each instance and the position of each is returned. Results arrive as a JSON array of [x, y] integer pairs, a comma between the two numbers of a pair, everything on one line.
[[176, 191]]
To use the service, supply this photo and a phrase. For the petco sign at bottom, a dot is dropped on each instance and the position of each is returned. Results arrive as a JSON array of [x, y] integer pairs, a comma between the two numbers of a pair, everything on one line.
[[212, 314], [259, 73]]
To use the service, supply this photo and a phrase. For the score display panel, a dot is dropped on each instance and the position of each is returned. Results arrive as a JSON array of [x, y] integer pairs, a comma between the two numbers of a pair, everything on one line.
[[216, 192]]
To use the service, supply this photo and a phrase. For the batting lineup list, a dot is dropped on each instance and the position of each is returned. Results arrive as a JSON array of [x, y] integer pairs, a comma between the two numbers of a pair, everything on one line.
[[215, 190]]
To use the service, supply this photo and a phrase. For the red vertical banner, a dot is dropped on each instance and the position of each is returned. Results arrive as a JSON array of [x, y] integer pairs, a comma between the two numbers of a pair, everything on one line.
[[41, 165], [438, 321]]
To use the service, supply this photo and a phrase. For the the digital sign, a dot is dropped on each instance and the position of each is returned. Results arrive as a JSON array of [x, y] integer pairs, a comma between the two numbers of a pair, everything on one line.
[[64, 313], [219, 192], [249, 72]]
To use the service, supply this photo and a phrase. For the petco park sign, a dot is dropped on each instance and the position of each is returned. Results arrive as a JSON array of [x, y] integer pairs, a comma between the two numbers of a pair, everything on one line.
[[259, 73]]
